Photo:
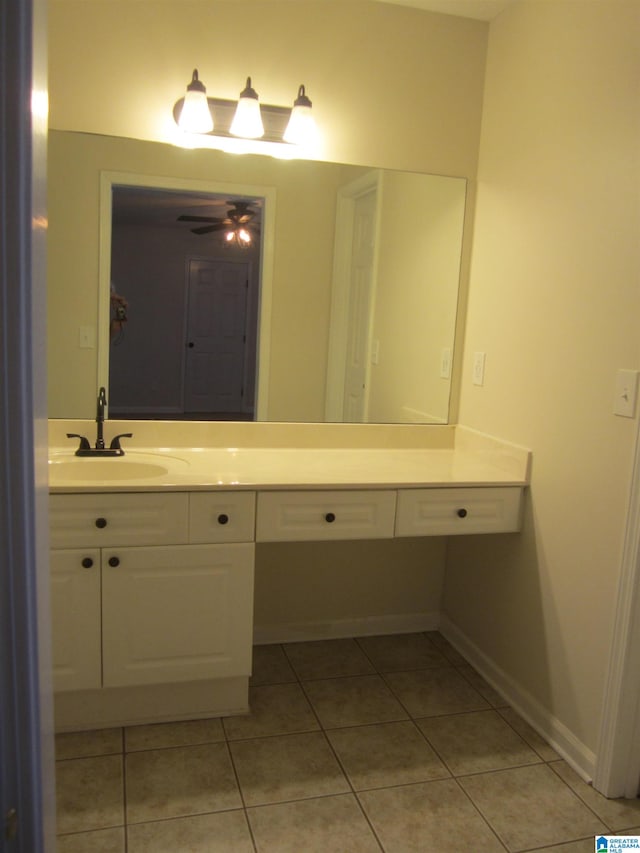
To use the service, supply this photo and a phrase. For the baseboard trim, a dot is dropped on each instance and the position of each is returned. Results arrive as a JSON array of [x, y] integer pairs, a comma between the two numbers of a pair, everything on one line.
[[366, 626], [109, 707], [557, 735]]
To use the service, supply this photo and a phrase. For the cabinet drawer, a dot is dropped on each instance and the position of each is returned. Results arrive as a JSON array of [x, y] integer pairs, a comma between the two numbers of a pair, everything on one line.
[[222, 517], [82, 521], [297, 516], [446, 512]]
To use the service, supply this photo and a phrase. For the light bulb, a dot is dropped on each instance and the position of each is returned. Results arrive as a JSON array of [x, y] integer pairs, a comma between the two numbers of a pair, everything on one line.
[[301, 129], [247, 121], [196, 115]]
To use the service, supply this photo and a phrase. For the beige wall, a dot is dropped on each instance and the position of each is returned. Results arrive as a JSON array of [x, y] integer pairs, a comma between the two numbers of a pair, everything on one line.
[[117, 67], [554, 302]]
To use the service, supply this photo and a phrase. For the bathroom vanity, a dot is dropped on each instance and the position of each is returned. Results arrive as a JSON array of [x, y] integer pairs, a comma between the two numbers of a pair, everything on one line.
[[153, 553]]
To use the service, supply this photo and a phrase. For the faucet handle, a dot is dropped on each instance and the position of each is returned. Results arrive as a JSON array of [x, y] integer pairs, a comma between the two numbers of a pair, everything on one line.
[[115, 441], [84, 442]]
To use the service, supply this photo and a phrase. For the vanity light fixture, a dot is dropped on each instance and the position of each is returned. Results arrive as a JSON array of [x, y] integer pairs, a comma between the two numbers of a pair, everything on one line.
[[246, 118]]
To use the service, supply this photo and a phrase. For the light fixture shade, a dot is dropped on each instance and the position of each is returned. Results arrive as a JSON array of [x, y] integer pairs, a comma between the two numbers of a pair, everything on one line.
[[247, 122], [301, 129], [196, 116]]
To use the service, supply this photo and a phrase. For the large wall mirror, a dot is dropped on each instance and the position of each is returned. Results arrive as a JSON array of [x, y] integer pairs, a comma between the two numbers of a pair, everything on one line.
[[341, 306]]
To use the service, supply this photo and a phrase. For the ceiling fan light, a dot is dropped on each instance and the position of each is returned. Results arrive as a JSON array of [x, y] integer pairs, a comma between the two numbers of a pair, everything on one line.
[[301, 129], [247, 121], [195, 116], [240, 237]]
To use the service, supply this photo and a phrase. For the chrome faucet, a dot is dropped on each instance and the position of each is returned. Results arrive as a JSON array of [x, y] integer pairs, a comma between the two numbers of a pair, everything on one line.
[[114, 448]]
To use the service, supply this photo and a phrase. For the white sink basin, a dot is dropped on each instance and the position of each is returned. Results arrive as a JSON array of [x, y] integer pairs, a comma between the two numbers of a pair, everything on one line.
[[78, 469]]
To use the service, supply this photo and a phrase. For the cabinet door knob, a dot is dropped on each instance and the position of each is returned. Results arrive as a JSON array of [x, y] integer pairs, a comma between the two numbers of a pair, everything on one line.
[[223, 518], [114, 561], [101, 522], [87, 563], [330, 517], [462, 513]]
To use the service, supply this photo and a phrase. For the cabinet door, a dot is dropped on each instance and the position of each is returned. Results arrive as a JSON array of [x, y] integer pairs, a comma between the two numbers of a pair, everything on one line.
[[75, 619], [175, 614]]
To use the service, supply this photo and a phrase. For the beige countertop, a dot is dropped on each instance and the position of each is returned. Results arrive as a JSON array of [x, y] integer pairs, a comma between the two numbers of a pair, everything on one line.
[[460, 458]]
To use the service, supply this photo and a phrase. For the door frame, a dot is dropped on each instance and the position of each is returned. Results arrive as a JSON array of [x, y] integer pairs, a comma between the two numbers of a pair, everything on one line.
[[617, 771], [27, 769], [110, 179], [341, 287]]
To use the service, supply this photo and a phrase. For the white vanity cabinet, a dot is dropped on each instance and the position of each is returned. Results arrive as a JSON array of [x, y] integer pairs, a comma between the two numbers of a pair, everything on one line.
[[152, 592], [149, 589], [152, 579]]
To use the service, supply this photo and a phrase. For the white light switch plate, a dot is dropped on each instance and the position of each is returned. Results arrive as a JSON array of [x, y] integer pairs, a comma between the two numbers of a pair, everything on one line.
[[478, 367], [626, 393]]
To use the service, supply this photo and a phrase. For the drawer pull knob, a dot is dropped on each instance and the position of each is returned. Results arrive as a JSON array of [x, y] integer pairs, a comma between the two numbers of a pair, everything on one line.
[[330, 517], [223, 518], [462, 513], [87, 563], [114, 561], [101, 522]]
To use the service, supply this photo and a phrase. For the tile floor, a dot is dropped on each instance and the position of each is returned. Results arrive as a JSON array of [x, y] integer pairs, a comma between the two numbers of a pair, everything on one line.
[[380, 743]]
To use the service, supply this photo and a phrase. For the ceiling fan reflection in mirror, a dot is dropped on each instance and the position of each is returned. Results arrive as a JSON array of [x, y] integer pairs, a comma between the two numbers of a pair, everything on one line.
[[238, 225]]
